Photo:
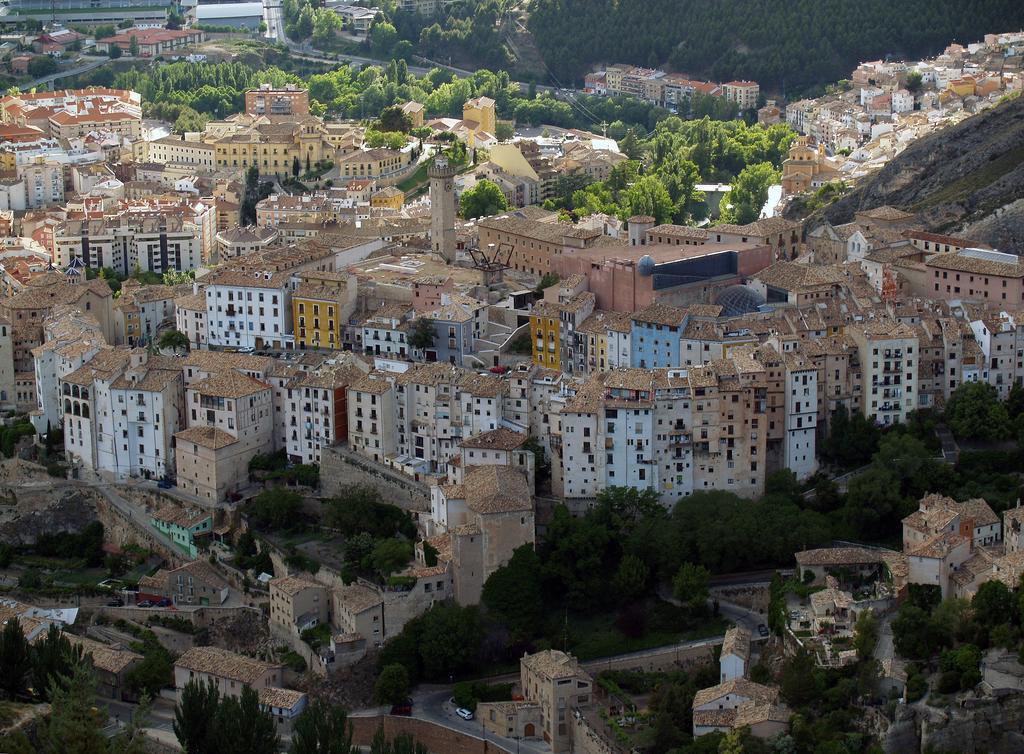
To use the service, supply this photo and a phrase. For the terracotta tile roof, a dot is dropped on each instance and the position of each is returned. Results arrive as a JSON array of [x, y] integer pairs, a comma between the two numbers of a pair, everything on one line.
[[887, 212], [496, 489], [752, 713], [553, 664], [229, 384], [208, 437], [499, 439], [959, 262], [714, 718], [358, 598], [219, 361], [224, 664], [280, 698], [737, 642], [292, 585], [104, 657], [839, 556], [661, 314], [737, 687], [679, 231], [176, 515]]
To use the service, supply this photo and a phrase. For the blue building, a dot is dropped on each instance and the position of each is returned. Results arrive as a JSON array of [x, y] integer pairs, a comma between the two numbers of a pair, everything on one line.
[[655, 336], [456, 328]]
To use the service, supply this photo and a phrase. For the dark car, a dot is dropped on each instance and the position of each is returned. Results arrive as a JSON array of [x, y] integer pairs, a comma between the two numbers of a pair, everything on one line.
[[116, 603], [144, 603], [404, 708], [165, 602], [165, 484], [762, 629]]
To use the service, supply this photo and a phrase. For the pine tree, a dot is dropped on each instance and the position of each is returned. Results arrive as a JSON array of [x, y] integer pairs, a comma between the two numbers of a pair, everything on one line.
[[15, 660], [194, 717], [53, 659], [322, 729], [75, 724]]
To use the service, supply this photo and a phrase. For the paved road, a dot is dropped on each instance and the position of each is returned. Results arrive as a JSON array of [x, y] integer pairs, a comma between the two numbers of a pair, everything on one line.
[[93, 63]]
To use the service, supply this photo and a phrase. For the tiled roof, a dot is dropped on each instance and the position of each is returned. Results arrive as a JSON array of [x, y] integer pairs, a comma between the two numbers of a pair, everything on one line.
[[957, 261], [358, 598], [292, 585], [496, 489], [280, 698], [738, 687], [208, 437], [176, 515], [661, 314], [553, 664], [737, 642], [104, 657], [499, 439], [839, 556], [886, 212], [229, 384], [223, 664]]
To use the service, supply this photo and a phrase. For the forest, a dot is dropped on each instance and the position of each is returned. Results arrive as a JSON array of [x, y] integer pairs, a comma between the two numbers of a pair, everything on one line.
[[793, 46]]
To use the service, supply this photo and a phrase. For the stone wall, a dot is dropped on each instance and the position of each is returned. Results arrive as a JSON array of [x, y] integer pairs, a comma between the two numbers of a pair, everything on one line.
[[437, 739], [587, 740], [667, 658], [199, 616], [750, 596], [340, 468], [120, 531]]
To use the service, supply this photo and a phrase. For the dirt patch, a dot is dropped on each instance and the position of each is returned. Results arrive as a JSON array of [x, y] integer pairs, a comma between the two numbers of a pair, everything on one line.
[[351, 687], [245, 633]]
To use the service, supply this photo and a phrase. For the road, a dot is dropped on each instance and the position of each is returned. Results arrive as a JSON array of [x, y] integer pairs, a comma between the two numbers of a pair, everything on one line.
[[93, 63], [274, 19], [159, 723]]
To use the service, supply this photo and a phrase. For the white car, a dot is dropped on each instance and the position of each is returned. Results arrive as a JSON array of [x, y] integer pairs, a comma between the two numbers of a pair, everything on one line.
[[464, 713]]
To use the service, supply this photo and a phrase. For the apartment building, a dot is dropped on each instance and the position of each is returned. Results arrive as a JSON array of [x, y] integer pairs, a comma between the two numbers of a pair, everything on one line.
[[249, 309], [385, 332], [141, 310], [887, 353], [68, 113], [297, 603], [190, 319], [372, 412], [43, 181], [316, 409], [85, 392], [172, 150], [230, 420], [655, 336], [322, 303], [269, 100], [744, 93]]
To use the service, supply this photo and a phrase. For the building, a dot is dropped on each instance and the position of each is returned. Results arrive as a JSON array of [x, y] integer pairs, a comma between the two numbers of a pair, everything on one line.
[[734, 661], [151, 42], [322, 303], [230, 420], [890, 380], [744, 93], [974, 275], [194, 583], [717, 707], [442, 209], [185, 528], [289, 100], [556, 682], [298, 603], [316, 409], [242, 16]]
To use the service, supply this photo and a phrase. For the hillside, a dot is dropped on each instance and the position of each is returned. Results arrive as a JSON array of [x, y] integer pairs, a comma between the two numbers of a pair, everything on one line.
[[968, 178], [793, 45]]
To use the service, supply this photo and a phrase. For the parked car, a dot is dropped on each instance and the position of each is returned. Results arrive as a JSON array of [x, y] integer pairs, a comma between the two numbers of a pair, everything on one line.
[[116, 603], [464, 713], [165, 484], [165, 602], [762, 629], [144, 603], [405, 708]]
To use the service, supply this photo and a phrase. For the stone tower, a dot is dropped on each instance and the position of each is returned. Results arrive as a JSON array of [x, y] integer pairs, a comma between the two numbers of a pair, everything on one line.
[[442, 208]]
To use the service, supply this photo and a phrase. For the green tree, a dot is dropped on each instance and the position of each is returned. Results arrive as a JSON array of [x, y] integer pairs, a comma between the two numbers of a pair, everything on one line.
[[630, 580], [992, 604], [690, 586], [242, 726], [648, 196], [866, 634], [504, 130], [42, 65], [53, 658], [133, 46], [483, 200], [383, 37], [113, 51], [174, 340], [326, 24], [189, 119], [392, 686], [15, 660], [390, 555], [394, 119], [422, 334], [799, 681], [748, 194], [513, 593], [450, 637], [914, 80], [974, 412], [195, 716], [277, 509], [322, 728]]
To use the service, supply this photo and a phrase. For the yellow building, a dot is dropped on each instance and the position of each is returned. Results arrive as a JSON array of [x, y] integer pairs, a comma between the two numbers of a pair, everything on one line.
[[8, 161], [963, 87], [482, 112], [321, 305], [388, 198], [374, 163], [544, 324], [271, 147], [415, 111]]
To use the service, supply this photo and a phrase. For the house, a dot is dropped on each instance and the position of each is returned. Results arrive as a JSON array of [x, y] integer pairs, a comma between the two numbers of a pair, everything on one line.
[[735, 658], [717, 708], [58, 41], [298, 603], [194, 583], [230, 673], [552, 685], [183, 527], [110, 665]]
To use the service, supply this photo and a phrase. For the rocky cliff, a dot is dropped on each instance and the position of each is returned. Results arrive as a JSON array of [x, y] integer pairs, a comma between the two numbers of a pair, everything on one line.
[[967, 179], [987, 725]]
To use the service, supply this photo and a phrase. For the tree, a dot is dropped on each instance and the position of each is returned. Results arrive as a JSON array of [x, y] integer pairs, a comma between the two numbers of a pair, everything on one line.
[[914, 79], [392, 685], [866, 636], [394, 119], [133, 46], [322, 728], [195, 715], [992, 604], [15, 659], [504, 130], [974, 412], [513, 593], [243, 727], [798, 681], [42, 65], [449, 640], [326, 24], [76, 724], [648, 196], [748, 194], [690, 586], [189, 119], [277, 509], [630, 580], [483, 200], [53, 659], [382, 38], [390, 555], [174, 340], [422, 333], [114, 51], [914, 633]]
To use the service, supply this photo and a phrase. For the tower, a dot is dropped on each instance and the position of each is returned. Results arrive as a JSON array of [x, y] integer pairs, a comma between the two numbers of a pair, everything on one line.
[[442, 208]]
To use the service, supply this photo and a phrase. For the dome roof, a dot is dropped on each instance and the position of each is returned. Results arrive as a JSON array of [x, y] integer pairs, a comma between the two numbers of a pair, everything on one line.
[[739, 299], [646, 265]]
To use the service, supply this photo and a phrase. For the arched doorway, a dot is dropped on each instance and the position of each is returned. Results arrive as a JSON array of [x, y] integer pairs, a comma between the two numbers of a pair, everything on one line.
[[529, 731]]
